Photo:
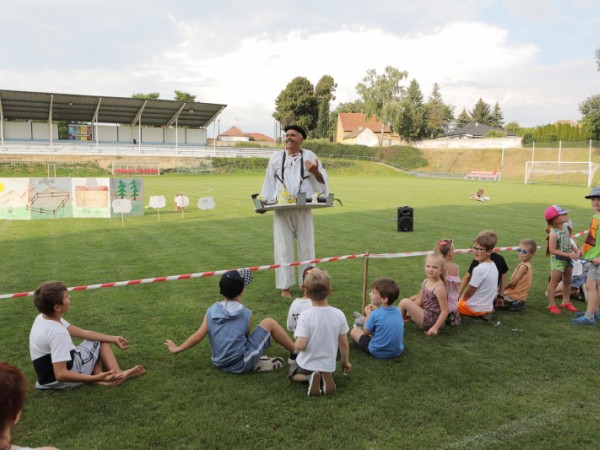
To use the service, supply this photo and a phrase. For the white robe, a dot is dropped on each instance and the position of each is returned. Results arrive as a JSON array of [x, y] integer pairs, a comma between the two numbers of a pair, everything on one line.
[[292, 224]]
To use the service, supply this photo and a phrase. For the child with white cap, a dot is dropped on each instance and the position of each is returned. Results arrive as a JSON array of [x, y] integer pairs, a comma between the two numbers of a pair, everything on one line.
[[591, 253]]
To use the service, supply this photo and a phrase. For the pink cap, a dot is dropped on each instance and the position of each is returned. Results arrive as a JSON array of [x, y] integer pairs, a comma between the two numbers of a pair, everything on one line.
[[554, 211]]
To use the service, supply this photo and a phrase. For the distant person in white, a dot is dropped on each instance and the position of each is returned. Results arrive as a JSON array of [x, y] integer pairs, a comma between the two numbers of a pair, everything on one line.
[[293, 170]]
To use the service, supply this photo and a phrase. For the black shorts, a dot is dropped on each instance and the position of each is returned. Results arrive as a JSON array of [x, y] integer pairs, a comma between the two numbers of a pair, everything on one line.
[[363, 343]]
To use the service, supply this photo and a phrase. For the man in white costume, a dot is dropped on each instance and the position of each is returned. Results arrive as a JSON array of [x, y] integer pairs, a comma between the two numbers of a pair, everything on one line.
[[289, 172]]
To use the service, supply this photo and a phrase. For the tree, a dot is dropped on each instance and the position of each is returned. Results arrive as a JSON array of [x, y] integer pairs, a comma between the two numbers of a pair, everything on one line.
[[184, 97], [481, 113], [438, 114], [464, 119], [410, 120], [512, 127], [590, 109], [297, 104], [497, 118], [381, 94], [357, 106], [148, 96], [324, 93], [121, 189]]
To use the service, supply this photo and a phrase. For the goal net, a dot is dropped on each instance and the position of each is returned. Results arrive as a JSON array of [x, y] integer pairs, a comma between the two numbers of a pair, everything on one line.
[[564, 172]]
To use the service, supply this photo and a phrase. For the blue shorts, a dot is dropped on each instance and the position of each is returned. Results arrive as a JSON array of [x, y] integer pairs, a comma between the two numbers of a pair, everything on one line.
[[577, 281], [256, 344]]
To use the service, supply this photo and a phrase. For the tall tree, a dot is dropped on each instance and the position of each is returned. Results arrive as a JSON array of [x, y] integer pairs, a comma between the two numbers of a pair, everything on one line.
[[410, 121], [184, 97], [324, 92], [497, 118], [590, 109], [381, 94], [297, 104], [481, 113], [464, 119], [437, 114], [148, 96], [512, 127]]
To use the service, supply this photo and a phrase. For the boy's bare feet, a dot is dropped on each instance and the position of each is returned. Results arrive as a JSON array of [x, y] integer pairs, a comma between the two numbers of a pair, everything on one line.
[[286, 293], [125, 375]]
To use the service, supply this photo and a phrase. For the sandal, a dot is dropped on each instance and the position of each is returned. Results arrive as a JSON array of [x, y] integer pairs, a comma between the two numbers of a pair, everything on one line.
[[554, 309], [569, 307]]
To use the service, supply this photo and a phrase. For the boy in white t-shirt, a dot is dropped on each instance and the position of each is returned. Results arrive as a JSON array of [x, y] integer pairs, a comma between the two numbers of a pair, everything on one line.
[[58, 363], [299, 304], [320, 332], [478, 298]]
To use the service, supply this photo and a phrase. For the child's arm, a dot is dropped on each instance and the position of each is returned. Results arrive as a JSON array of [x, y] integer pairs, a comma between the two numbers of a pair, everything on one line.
[[194, 339], [344, 352], [468, 293], [463, 284], [61, 373], [300, 344], [502, 284], [80, 333], [516, 276], [442, 297]]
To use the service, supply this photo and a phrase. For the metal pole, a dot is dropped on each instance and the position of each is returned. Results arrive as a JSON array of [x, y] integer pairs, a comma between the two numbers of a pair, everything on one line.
[[559, 159]]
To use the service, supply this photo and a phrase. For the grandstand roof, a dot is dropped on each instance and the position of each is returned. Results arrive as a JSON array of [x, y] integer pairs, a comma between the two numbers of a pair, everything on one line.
[[104, 109]]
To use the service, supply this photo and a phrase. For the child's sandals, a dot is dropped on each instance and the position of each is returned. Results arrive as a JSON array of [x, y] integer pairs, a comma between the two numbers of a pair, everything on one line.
[[554, 309]]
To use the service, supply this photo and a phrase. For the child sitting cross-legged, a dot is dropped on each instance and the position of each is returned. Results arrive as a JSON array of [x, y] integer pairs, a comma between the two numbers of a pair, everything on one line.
[[58, 363], [227, 324], [382, 334], [320, 332]]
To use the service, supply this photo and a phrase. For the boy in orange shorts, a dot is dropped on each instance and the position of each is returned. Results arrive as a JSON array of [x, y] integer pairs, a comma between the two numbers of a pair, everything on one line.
[[478, 298]]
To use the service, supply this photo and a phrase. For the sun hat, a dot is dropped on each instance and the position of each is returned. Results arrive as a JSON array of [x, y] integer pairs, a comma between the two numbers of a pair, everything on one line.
[[594, 193], [553, 211]]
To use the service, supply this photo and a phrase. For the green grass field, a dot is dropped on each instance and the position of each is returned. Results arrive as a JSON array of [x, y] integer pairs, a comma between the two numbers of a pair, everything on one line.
[[528, 380]]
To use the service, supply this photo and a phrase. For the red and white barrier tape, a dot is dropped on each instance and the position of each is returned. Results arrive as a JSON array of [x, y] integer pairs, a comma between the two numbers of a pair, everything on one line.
[[189, 275], [257, 268]]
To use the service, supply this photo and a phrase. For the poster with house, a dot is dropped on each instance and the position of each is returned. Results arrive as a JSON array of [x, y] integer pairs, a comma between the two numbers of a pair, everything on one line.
[[91, 197], [129, 189], [14, 198], [50, 198]]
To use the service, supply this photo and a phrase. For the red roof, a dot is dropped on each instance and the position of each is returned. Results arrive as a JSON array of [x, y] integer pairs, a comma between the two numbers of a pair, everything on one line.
[[260, 137], [353, 121], [233, 131]]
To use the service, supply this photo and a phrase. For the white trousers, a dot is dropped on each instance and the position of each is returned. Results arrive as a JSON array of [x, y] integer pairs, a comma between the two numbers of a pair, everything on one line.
[[290, 225]]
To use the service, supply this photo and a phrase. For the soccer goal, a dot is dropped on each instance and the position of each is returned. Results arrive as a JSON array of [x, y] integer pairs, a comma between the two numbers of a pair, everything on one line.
[[564, 172]]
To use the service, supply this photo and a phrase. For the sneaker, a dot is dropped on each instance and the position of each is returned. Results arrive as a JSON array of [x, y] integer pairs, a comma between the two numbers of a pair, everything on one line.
[[583, 321], [568, 307], [582, 313], [314, 384], [359, 319], [554, 309], [328, 383], [266, 364]]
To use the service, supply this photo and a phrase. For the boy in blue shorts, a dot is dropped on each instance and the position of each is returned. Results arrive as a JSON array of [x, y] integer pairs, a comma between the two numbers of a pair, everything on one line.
[[227, 324], [58, 363], [383, 333]]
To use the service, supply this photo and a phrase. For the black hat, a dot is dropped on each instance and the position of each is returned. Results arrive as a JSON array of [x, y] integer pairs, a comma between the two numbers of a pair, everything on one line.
[[233, 282], [296, 128]]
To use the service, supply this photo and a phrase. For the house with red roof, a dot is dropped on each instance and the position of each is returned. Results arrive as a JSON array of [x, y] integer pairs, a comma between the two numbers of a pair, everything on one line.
[[357, 129], [233, 134]]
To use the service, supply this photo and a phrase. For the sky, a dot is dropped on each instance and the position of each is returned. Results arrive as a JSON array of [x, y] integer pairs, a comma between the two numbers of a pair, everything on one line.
[[535, 57]]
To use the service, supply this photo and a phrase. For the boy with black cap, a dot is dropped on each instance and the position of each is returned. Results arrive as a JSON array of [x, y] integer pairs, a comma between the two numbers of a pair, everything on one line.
[[590, 252], [227, 323]]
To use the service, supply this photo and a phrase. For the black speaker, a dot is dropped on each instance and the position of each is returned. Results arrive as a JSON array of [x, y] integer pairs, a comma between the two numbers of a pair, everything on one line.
[[405, 218]]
